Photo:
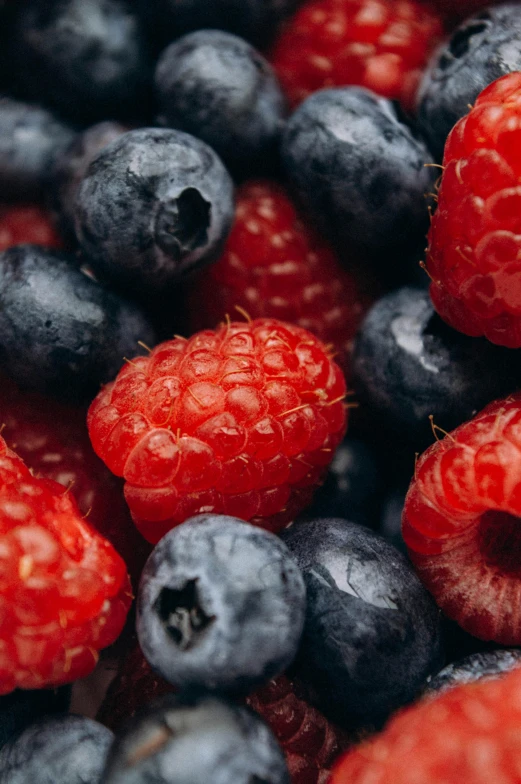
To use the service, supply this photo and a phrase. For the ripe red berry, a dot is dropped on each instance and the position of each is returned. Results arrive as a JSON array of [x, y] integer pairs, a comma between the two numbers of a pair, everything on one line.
[[52, 439], [242, 421], [23, 224], [379, 44], [461, 522], [64, 591], [474, 254], [274, 265], [467, 734]]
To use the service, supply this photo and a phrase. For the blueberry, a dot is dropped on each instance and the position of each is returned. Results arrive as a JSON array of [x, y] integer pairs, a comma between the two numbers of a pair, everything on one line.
[[391, 518], [482, 49], [61, 332], [352, 486], [221, 605], [359, 171], [195, 739], [30, 140], [154, 204], [21, 708], [71, 166], [372, 632], [254, 20], [85, 58], [62, 750], [488, 664], [217, 87], [408, 365]]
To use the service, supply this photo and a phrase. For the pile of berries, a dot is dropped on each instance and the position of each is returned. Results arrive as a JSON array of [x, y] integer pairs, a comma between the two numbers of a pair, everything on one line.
[[260, 397]]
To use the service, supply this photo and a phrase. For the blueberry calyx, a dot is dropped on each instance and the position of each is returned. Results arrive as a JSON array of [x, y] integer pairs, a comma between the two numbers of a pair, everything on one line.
[[182, 614], [182, 224]]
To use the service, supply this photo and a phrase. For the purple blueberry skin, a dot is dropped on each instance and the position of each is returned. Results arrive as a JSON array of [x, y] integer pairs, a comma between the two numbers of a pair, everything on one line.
[[217, 87], [372, 632], [61, 333], [221, 605], [60, 750], [193, 738], [23, 707], [154, 205], [486, 664], [31, 139]]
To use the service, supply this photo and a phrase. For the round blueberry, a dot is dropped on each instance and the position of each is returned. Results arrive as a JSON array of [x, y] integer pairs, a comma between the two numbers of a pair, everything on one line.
[[61, 332], [372, 632], [482, 49], [488, 664], [359, 171], [85, 58], [154, 204], [391, 518], [30, 140], [71, 166], [62, 750], [221, 605], [191, 739], [408, 365], [217, 87], [21, 708]]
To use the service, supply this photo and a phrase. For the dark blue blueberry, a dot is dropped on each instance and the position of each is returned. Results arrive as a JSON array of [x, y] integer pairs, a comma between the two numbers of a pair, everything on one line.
[[408, 365], [62, 750], [488, 664], [391, 518], [352, 488], [221, 605], [196, 739], [21, 708], [254, 20], [62, 333], [71, 166], [85, 58], [372, 632], [30, 140], [154, 204], [359, 171], [482, 49], [217, 87]]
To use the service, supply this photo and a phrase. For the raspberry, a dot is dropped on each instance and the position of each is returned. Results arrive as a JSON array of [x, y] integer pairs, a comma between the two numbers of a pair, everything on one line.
[[474, 254], [52, 439], [468, 734], [276, 266], [242, 421], [378, 44], [461, 526], [27, 224], [64, 591]]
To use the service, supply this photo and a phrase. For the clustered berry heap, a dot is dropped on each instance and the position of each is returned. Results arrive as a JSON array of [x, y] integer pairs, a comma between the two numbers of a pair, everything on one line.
[[260, 396]]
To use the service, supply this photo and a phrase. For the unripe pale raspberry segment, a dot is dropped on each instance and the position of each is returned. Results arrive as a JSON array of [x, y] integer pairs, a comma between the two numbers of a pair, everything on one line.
[[64, 591], [461, 522], [242, 420], [275, 265], [378, 44], [474, 253], [468, 734]]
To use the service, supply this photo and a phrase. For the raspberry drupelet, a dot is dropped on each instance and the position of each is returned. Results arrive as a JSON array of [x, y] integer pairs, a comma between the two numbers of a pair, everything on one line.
[[474, 253], [275, 265], [378, 44], [32, 224], [64, 591], [242, 421], [461, 522]]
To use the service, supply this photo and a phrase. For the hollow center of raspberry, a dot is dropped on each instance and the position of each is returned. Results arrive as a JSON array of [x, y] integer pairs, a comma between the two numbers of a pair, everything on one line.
[[499, 539], [182, 615]]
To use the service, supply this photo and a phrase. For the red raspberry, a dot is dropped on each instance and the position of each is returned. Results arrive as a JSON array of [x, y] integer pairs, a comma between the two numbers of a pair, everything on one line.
[[468, 734], [461, 525], [27, 224], [274, 265], [64, 591], [383, 45], [474, 254], [241, 421], [52, 439]]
